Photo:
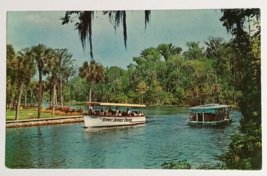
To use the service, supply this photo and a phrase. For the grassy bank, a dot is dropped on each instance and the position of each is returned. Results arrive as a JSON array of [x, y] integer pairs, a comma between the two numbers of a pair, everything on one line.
[[10, 115]]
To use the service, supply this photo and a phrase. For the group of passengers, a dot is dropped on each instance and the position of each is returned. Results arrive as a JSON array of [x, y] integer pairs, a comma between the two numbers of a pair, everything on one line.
[[110, 112]]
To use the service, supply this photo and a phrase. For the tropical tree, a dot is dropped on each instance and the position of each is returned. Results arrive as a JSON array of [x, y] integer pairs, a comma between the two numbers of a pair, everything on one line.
[[41, 54], [194, 51], [25, 70], [142, 88], [11, 88], [213, 44], [53, 66], [166, 50], [65, 68], [245, 149], [93, 73]]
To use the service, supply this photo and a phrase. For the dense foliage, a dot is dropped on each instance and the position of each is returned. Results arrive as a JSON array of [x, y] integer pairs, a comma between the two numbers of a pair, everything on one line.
[[22, 66], [163, 75], [245, 149]]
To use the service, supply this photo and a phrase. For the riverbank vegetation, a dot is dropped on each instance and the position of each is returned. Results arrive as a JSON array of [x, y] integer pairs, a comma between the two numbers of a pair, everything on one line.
[[24, 114], [161, 75]]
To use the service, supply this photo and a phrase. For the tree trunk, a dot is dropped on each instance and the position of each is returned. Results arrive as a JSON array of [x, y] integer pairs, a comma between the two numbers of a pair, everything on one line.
[[12, 102], [158, 99], [90, 95], [31, 96], [53, 100], [50, 96], [40, 93], [18, 101], [61, 93], [55, 96], [25, 102]]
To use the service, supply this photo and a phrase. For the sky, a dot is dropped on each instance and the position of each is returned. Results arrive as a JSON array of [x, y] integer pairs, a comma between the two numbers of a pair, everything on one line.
[[29, 28]]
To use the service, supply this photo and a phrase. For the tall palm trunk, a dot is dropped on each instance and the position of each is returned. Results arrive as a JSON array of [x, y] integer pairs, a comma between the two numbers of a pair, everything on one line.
[[31, 96], [90, 95], [61, 93], [25, 102], [56, 96], [53, 99], [12, 103], [40, 93], [50, 96], [18, 101]]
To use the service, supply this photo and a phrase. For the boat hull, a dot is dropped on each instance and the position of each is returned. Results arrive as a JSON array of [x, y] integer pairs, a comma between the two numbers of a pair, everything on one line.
[[104, 121], [213, 123]]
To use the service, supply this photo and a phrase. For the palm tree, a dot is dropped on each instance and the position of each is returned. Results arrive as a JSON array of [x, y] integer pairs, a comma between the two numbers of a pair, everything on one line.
[[93, 73], [41, 54], [53, 68], [25, 70], [65, 68], [167, 50], [11, 89]]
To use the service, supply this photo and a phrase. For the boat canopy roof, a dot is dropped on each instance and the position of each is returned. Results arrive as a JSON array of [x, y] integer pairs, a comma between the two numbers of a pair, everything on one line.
[[116, 104], [210, 108]]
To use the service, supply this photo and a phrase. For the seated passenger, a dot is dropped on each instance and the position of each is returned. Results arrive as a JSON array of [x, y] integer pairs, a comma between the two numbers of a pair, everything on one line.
[[106, 112], [128, 112], [119, 113]]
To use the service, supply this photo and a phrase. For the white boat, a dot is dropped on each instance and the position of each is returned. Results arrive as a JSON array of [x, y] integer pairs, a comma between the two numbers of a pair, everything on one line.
[[95, 118]]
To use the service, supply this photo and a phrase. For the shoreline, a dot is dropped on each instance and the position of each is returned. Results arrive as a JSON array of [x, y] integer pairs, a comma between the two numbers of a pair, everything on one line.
[[43, 121]]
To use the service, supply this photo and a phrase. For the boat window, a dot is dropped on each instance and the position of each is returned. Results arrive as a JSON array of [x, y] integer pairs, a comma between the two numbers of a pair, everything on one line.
[[109, 111]]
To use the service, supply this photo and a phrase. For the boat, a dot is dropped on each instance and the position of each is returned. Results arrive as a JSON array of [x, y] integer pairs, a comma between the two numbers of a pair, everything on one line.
[[102, 115], [210, 114]]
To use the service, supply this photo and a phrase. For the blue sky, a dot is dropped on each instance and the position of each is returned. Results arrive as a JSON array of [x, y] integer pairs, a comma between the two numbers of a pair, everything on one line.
[[26, 29]]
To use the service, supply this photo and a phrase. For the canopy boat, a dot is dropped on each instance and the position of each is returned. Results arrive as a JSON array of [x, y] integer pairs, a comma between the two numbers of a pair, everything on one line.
[[106, 117], [210, 114]]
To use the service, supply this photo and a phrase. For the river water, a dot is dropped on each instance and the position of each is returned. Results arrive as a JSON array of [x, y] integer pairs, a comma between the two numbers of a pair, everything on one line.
[[165, 137]]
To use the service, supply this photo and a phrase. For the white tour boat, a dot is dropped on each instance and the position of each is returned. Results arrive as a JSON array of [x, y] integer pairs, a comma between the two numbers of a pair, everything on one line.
[[104, 116]]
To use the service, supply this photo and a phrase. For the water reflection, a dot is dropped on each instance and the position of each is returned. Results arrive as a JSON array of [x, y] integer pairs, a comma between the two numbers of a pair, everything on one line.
[[103, 130]]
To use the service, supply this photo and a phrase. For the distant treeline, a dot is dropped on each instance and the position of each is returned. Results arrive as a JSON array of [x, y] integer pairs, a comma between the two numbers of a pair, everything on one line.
[[164, 75]]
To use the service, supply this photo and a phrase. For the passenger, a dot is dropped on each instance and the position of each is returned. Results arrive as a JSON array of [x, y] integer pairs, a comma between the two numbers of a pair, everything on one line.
[[134, 114], [139, 114], [119, 113], [110, 110], [90, 111], [128, 112]]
